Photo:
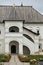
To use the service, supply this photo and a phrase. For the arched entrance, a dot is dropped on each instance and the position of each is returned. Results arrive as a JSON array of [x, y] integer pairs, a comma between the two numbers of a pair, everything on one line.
[[26, 50], [14, 47]]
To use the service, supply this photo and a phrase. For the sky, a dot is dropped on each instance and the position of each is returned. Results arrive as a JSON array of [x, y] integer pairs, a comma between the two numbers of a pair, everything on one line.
[[37, 4]]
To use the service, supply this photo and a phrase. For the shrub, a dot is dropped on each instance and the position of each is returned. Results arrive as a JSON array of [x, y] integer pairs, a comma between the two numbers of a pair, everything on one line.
[[23, 58], [5, 57]]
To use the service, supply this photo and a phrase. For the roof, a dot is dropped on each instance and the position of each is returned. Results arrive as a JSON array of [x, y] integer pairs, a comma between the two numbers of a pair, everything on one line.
[[27, 13]]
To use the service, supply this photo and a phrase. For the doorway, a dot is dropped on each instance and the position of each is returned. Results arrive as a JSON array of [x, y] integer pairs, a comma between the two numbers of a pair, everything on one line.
[[13, 49]]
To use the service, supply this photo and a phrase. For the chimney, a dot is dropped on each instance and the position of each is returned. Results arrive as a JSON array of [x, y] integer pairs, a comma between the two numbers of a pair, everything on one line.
[[21, 4]]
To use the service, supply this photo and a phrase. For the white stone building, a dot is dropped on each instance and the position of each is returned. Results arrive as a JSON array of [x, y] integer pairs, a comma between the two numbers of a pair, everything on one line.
[[21, 30]]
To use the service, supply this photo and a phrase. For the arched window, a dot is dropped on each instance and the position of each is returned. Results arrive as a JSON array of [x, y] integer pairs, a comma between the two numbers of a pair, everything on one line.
[[26, 50], [13, 29]]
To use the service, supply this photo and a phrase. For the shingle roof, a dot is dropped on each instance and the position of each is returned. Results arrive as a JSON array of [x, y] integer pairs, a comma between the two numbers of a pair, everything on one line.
[[27, 13]]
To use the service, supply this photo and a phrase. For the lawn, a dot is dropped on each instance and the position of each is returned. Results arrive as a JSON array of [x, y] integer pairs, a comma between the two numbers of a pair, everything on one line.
[[37, 57]]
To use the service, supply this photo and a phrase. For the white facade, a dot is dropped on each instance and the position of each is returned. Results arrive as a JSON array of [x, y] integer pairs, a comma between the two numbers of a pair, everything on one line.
[[8, 38]]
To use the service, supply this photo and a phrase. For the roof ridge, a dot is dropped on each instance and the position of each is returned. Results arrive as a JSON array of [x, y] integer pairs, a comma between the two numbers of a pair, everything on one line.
[[13, 6]]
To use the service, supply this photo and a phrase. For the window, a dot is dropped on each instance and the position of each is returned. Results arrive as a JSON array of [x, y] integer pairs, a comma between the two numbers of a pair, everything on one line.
[[13, 29], [38, 30], [0, 32], [40, 46], [26, 50], [0, 44]]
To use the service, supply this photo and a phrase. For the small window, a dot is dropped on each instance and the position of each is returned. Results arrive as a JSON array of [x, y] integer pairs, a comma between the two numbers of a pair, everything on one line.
[[13, 29], [37, 30], [0, 44], [40, 46], [0, 32]]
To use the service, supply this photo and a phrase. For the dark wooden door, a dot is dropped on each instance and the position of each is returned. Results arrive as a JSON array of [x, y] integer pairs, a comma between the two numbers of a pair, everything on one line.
[[13, 49], [26, 50]]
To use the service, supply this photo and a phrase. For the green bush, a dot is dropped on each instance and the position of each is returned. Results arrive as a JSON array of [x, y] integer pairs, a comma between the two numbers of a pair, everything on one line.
[[23, 58], [5, 57]]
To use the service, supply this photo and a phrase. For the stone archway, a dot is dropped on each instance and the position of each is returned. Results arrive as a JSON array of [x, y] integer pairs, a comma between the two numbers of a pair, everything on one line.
[[26, 50], [14, 47]]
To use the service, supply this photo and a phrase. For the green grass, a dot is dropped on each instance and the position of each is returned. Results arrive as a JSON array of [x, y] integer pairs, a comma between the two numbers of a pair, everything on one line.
[[30, 58], [37, 57]]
